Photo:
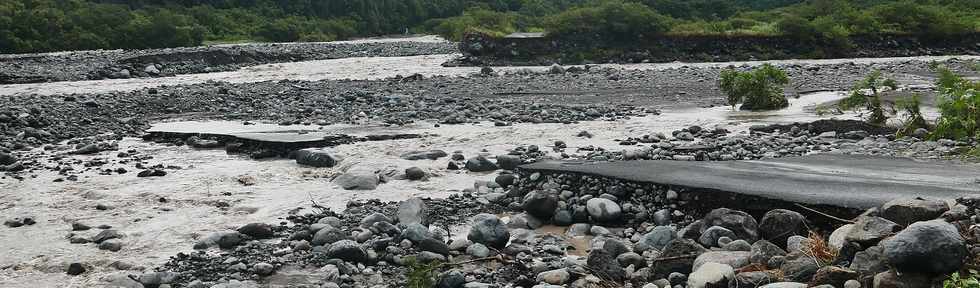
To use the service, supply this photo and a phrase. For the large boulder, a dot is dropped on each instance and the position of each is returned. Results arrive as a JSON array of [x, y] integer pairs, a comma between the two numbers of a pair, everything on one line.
[[412, 211], [540, 204], [744, 226], [487, 229], [604, 262], [257, 230], [930, 247], [908, 211], [779, 224], [316, 157], [480, 164], [508, 162], [347, 250], [7, 159], [328, 235], [603, 210], [658, 237], [869, 262], [358, 180], [421, 155], [711, 275], [869, 230]]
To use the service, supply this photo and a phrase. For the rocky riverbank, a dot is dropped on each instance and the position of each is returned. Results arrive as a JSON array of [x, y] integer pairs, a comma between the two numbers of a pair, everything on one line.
[[122, 64], [603, 241], [485, 50]]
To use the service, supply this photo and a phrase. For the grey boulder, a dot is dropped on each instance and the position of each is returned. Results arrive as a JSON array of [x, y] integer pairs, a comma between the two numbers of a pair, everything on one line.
[[603, 210], [930, 247], [908, 211], [487, 229]]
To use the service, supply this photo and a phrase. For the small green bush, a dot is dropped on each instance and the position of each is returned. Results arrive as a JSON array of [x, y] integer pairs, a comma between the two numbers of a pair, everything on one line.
[[955, 281], [866, 94], [759, 89], [421, 275], [913, 115], [959, 106]]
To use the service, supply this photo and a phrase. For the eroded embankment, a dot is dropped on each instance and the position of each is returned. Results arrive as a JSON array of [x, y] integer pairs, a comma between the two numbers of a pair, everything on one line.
[[484, 50]]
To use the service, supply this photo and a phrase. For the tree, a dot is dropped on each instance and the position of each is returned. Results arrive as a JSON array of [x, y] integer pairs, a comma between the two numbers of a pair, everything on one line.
[[759, 89]]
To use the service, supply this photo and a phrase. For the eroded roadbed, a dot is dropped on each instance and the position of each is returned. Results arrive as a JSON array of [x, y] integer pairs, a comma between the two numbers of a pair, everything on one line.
[[839, 181]]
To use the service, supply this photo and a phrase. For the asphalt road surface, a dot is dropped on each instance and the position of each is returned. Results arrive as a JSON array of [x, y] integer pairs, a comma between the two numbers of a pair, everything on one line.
[[846, 181]]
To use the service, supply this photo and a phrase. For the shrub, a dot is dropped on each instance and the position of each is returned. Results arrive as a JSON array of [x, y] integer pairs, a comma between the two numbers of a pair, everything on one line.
[[421, 275], [913, 115], [759, 89], [955, 281], [959, 100], [866, 93]]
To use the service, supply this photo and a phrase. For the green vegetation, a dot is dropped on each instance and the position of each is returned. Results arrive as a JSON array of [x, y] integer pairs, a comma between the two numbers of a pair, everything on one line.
[[959, 106], [867, 94], [913, 115], [759, 89], [421, 275], [955, 281], [50, 25]]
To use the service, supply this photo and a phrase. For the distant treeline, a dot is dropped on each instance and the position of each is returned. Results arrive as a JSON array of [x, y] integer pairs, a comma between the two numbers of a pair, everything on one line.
[[57, 25]]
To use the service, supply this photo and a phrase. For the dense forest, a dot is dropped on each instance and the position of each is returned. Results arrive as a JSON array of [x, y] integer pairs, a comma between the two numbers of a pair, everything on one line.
[[57, 25]]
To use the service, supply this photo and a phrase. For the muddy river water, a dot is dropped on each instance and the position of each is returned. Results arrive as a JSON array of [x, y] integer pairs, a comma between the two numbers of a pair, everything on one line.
[[165, 215]]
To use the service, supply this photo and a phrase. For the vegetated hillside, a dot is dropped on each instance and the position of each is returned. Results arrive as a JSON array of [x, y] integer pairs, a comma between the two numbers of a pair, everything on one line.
[[57, 25]]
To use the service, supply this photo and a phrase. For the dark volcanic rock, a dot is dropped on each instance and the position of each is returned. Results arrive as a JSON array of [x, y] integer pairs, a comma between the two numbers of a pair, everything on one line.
[[744, 226], [257, 230], [414, 173], [778, 224], [76, 269], [420, 155], [540, 204], [605, 264], [930, 247], [487, 229], [869, 230], [508, 162], [316, 158], [908, 211], [480, 164], [347, 250]]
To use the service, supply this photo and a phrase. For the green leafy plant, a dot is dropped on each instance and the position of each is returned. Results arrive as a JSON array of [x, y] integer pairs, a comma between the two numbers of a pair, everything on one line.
[[913, 115], [867, 94], [956, 281], [959, 106], [422, 275], [759, 89]]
